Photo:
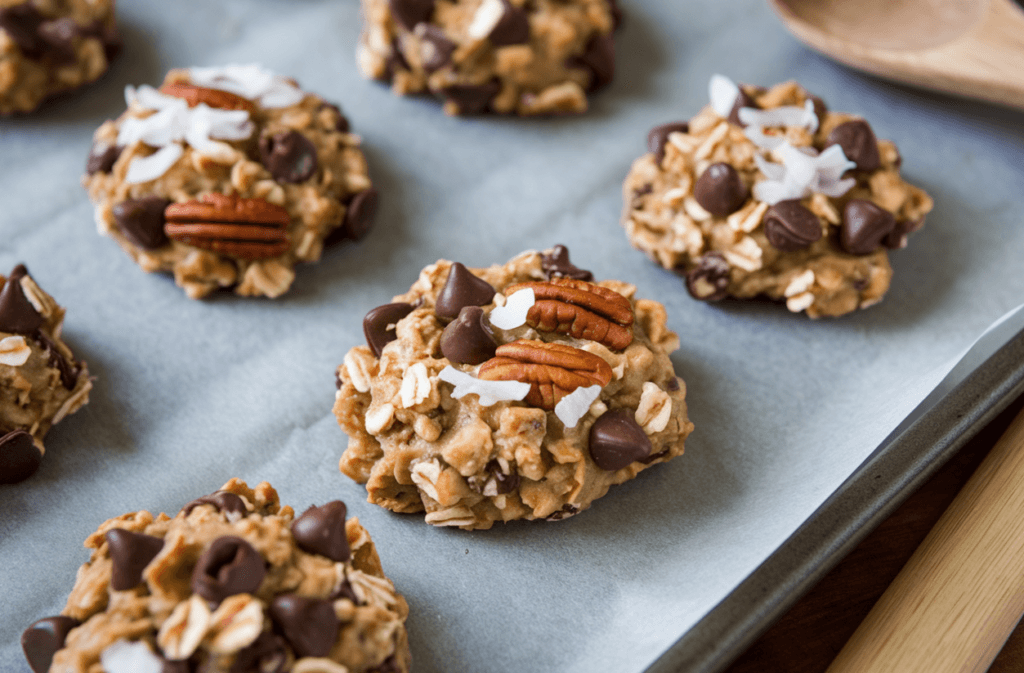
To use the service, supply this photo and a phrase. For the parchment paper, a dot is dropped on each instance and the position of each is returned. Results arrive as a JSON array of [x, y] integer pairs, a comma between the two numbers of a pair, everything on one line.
[[189, 394]]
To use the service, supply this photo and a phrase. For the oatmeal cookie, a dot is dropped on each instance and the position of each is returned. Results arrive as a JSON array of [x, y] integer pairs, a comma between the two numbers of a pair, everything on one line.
[[525, 57], [767, 192], [50, 46], [40, 380], [521, 391], [227, 177], [233, 583]]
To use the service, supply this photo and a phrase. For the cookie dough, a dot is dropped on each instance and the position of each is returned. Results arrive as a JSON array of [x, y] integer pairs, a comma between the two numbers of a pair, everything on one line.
[[767, 192], [40, 380], [521, 391], [227, 177], [526, 57], [233, 583], [50, 46]]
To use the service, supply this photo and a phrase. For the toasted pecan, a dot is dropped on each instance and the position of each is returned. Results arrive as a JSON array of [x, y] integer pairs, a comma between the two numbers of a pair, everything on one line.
[[580, 309], [553, 370], [194, 95], [247, 229]]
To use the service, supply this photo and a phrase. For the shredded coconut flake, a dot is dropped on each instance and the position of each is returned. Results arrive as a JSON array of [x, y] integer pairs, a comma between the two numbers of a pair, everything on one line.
[[513, 313], [574, 406], [124, 656], [802, 172], [485, 19], [250, 81], [723, 93], [144, 169], [489, 392]]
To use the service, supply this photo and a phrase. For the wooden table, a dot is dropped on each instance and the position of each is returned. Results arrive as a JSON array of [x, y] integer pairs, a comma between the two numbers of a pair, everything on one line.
[[808, 637]]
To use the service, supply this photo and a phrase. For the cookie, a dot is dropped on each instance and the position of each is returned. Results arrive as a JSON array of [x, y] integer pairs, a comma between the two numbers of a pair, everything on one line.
[[521, 391], [50, 46], [227, 177], [766, 192], [525, 57], [233, 583], [40, 381]]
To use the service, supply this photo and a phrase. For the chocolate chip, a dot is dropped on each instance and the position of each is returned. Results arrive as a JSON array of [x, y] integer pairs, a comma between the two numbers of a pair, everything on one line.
[[321, 530], [395, 61], [378, 325], [471, 98], [141, 221], [864, 226], [309, 624], [17, 315], [462, 289], [512, 28], [720, 190], [789, 226], [341, 124], [616, 440], [564, 513], [557, 265], [68, 369], [616, 14], [658, 136], [654, 456], [858, 143], [742, 101], [897, 238], [184, 666], [504, 483], [289, 156], [43, 639], [229, 566], [436, 48], [598, 58], [59, 36], [267, 654], [223, 501], [130, 553], [467, 340], [672, 384], [410, 12], [102, 160], [344, 590], [21, 23], [359, 214], [820, 109], [19, 457], [709, 280]]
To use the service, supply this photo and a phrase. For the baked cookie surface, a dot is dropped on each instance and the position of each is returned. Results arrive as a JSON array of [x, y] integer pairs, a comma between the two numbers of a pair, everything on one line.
[[233, 583], [767, 192], [525, 57], [50, 46], [40, 381], [519, 391], [227, 177]]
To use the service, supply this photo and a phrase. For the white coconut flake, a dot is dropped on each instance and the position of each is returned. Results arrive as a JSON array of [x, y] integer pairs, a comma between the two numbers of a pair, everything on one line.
[[144, 169], [149, 98], [574, 406], [250, 81], [489, 392], [802, 172], [723, 93], [124, 656], [758, 120], [513, 313], [486, 18]]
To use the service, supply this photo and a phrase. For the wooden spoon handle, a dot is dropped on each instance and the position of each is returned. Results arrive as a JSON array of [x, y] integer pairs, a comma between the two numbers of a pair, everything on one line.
[[961, 594]]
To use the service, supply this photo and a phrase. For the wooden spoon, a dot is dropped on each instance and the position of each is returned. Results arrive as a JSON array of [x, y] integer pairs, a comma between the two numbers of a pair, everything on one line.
[[969, 48]]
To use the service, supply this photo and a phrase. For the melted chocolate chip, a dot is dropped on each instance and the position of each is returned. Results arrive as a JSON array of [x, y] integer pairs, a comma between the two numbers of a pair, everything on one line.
[[69, 370], [410, 12], [437, 49], [672, 384], [267, 654], [59, 36], [141, 221], [897, 238], [557, 265], [379, 325], [309, 624], [21, 23], [789, 226], [658, 136], [865, 225], [599, 59], [229, 566], [19, 457], [467, 340], [742, 101], [345, 590], [223, 501], [395, 62], [130, 553], [43, 639], [858, 143], [471, 98], [359, 214], [462, 289], [616, 440], [289, 156], [512, 28], [17, 314], [503, 483], [321, 530], [709, 280], [567, 511], [720, 190], [102, 160]]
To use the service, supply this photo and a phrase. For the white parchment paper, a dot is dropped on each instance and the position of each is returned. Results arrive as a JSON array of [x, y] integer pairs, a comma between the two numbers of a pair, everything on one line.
[[189, 394]]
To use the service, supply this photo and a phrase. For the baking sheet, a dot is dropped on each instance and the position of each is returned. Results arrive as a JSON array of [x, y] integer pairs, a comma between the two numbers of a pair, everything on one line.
[[189, 394]]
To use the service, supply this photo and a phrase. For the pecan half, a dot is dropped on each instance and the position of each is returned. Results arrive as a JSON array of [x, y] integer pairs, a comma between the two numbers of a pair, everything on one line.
[[194, 95], [580, 309], [553, 370], [244, 228]]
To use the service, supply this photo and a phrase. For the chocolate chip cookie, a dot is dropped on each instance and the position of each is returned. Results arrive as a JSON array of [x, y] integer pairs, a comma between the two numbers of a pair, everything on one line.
[[227, 177], [519, 391], [526, 57], [50, 46], [40, 380], [767, 192], [233, 583]]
